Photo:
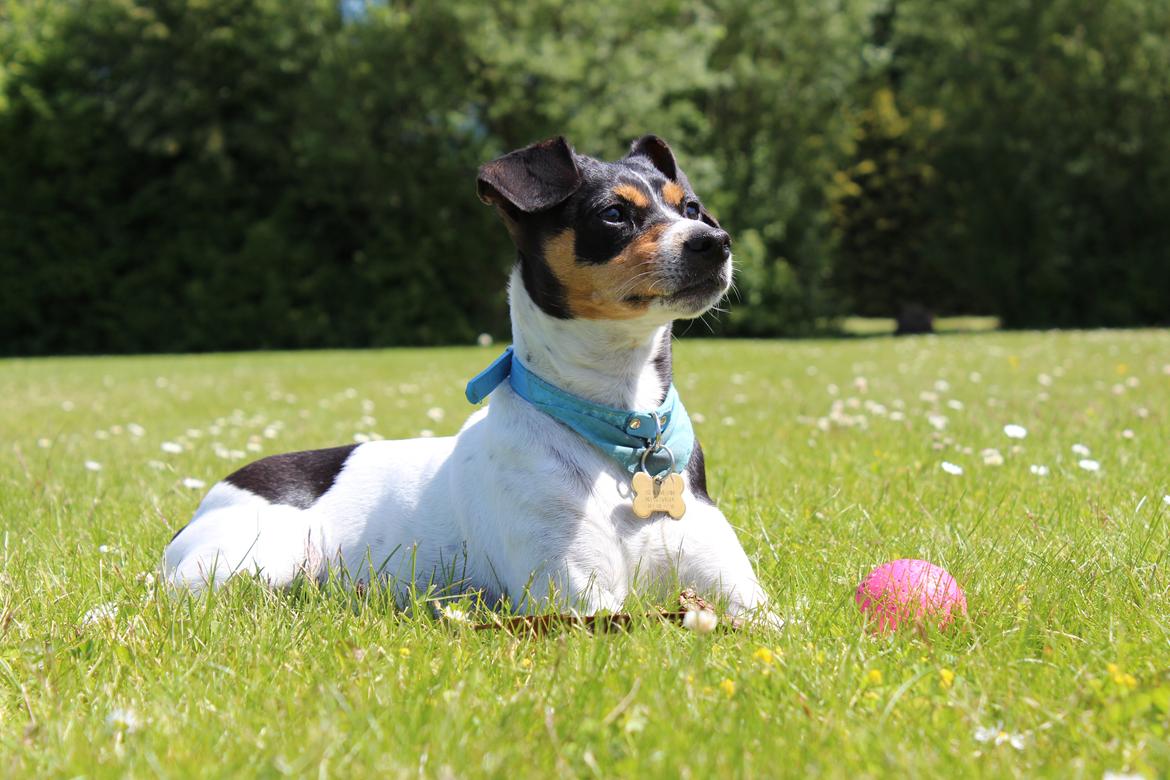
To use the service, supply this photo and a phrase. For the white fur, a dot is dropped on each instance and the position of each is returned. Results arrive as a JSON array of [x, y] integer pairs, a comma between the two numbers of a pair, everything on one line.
[[516, 505]]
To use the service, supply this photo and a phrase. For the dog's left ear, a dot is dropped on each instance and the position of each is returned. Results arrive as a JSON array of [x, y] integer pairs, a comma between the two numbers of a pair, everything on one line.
[[658, 152], [531, 179]]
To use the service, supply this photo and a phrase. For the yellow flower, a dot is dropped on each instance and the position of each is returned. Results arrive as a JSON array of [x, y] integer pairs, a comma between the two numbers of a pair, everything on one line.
[[728, 687], [763, 655], [404, 652], [525, 663], [1123, 679], [946, 678], [874, 677]]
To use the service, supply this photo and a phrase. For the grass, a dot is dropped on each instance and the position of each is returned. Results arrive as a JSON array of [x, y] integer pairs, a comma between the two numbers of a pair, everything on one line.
[[885, 326], [822, 453]]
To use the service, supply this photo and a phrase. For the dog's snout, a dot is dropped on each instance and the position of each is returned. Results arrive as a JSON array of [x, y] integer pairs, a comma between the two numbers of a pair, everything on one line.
[[709, 245]]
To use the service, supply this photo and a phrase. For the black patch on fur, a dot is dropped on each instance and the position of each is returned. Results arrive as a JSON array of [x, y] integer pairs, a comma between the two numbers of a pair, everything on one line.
[[658, 153], [543, 287], [697, 473], [295, 479], [598, 242], [663, 361], [531, 179]]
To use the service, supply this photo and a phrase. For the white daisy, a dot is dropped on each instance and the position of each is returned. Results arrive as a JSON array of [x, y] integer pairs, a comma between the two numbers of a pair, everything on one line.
[[484, 340], [171, 447], [937, 421], [951, 468], [193, 484], [1088, 464], [1080, 449], [1013, 431], [997, 736], [93, 465], [123, 719], [135, 429], [992, 457], [102, 613], [1038, 470], [454, 614], [436, 414]]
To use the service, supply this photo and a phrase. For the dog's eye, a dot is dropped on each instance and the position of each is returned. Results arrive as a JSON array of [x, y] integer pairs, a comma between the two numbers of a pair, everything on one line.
[[614, 214], [692, 210]]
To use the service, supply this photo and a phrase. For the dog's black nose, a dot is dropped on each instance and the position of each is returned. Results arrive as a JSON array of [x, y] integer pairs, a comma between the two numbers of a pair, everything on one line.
[[709, 246]]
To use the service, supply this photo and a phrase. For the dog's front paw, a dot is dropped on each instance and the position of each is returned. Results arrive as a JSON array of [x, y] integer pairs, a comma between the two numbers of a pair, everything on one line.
[[760, 616]]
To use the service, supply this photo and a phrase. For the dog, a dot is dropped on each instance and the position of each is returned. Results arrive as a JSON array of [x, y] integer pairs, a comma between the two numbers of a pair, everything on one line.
[[581, 482]]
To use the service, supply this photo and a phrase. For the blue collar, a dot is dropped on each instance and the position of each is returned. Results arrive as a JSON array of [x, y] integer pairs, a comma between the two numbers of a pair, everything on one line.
[[621, 434]]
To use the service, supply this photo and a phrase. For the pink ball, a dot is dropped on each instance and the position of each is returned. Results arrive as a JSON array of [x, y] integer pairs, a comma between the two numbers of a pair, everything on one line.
[[909, 590]]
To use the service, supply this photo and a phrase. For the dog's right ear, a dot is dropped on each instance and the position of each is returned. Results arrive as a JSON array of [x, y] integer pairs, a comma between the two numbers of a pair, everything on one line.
[[531, 179]]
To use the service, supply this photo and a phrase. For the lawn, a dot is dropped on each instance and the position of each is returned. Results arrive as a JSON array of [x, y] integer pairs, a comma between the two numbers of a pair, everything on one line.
[[826, 455]]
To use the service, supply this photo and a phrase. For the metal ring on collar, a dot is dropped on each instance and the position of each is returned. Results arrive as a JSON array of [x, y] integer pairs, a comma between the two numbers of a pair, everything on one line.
[[657, 432], [646, 453]]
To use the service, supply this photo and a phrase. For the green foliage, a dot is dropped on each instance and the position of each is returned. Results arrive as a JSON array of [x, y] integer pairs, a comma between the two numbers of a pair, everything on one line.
[[882, 212], [185, 174], [1052, 164], [778, 131]]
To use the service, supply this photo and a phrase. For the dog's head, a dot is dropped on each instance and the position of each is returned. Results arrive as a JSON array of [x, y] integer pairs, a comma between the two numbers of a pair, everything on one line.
[[609, 241]]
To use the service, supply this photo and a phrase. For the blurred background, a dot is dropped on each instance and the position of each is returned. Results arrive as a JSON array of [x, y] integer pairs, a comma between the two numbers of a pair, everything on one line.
[[188, 175]]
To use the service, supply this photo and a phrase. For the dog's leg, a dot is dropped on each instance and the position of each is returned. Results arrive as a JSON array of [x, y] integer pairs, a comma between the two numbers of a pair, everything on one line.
[[577, 586], [276, 543], [711, 560]]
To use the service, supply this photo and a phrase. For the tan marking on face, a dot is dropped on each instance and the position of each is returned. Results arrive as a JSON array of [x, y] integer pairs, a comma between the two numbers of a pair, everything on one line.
[[673, 193], [598, 291], [632, 194]]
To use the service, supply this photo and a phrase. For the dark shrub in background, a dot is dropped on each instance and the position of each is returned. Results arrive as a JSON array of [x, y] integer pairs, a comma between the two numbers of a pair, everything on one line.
[[191, 175]]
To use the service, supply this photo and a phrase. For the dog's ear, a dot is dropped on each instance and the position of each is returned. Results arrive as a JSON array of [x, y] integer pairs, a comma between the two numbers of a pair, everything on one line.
[[658, 152], [531, 179]]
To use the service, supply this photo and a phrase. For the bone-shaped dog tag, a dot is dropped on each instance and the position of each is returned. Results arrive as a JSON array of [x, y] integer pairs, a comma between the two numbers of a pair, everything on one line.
[[664, 494]]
